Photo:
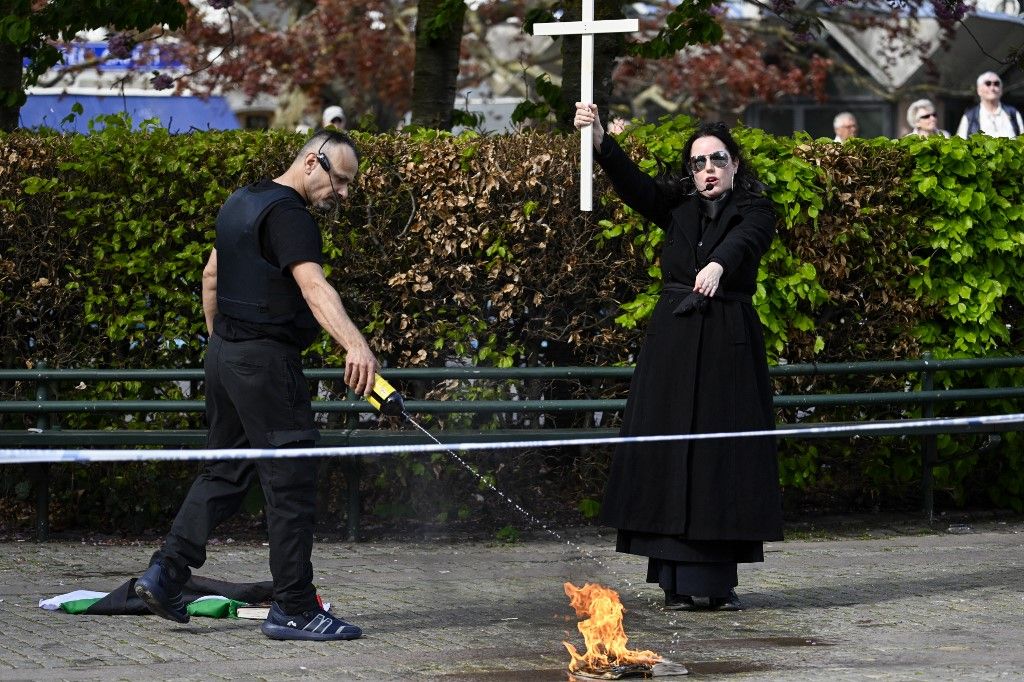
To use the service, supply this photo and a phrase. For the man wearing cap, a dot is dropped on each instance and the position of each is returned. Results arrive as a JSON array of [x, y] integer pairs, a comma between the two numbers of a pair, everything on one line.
[[334, 116], [991, 116]]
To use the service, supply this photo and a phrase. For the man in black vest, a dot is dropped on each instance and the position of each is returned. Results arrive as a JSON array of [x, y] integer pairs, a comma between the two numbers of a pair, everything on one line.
[[991, 116], [265, 299]]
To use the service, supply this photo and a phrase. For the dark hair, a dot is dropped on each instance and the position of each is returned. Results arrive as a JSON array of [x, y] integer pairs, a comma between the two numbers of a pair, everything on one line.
[[327, 137], [679, 182]]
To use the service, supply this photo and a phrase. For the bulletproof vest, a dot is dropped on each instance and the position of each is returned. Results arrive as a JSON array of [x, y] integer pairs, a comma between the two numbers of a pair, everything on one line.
[[248, 287]]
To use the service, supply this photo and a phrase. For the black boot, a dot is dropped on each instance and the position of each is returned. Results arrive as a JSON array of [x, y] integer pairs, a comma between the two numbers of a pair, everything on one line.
[[679, 602], [731, 602]]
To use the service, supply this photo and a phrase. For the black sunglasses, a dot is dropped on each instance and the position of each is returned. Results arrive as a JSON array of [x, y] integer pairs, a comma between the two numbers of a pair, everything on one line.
[[923, 116], [993, 84], [719, 159]]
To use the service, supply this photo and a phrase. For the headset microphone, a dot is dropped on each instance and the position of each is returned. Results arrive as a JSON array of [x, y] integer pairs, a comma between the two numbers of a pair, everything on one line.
[[325, 163], [710, 186]]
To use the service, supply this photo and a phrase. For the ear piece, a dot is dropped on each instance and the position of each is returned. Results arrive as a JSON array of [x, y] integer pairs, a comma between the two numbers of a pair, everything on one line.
[[324, 161]]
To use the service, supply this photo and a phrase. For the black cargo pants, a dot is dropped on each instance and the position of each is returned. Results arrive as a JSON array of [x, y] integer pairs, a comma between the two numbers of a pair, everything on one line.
[[256, 397]]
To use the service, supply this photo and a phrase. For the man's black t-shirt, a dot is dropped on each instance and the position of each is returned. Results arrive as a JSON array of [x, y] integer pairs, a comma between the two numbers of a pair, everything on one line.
[[288, 235]]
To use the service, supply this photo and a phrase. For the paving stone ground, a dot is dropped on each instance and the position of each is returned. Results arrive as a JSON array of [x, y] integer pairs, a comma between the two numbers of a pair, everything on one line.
[[944, 604]]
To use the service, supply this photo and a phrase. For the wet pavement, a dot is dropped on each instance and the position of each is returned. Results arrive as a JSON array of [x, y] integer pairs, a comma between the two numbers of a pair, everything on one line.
[[938, 603]]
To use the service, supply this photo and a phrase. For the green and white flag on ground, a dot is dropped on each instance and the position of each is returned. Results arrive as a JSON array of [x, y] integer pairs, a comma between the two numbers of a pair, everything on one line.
[[215, 606], [80, 601]]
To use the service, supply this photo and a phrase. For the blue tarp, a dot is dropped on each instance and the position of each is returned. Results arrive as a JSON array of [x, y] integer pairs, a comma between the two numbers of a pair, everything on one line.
[[179, 114]]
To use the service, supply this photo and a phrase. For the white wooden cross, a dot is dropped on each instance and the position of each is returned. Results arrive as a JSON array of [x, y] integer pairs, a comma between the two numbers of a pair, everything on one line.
[[586, 30]]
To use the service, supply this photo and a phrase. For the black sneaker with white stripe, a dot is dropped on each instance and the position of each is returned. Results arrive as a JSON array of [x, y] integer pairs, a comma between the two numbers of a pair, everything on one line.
[[317, 625]]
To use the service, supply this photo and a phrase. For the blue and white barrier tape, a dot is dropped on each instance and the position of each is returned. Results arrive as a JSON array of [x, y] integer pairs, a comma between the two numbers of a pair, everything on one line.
[[1005, 422]]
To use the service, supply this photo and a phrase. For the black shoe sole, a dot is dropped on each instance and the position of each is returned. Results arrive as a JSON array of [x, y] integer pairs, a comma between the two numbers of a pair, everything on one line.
[[154, 605], [680, 607], [283, 632]]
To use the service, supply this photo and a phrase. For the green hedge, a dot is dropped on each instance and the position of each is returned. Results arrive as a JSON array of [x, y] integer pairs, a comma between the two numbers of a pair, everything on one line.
[[473, 249]]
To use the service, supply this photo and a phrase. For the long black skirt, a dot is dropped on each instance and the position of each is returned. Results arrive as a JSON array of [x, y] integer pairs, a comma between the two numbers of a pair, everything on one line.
[[696, 568]]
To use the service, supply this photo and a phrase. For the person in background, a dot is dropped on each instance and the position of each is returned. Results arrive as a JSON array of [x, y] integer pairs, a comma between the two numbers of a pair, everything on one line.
[[334, 116], [990, 116], [265, 299], [697, 508], [845, 126], [923, 120]]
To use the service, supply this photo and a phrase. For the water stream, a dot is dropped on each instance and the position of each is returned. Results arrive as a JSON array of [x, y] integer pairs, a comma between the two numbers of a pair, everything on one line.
[[537, 522]]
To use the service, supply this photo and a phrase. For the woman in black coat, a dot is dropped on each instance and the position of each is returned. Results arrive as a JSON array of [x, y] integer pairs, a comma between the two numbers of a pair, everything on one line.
[[697, 508]]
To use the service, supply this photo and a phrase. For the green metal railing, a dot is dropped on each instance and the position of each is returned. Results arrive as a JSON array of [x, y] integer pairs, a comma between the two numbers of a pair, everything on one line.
[[47, 434]]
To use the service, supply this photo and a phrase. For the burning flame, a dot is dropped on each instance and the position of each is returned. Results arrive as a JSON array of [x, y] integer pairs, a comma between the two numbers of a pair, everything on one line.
[[602, 631]]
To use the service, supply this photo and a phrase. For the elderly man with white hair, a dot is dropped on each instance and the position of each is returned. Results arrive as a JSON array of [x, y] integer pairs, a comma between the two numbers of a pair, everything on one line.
[[845, 126], [991, 116]]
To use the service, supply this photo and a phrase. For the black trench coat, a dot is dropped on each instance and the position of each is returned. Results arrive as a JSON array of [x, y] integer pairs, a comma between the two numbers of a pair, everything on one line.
[[698, 373]]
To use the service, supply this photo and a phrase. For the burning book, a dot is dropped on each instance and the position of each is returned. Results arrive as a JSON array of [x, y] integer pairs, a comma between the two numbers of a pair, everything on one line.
[[607, 656]]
